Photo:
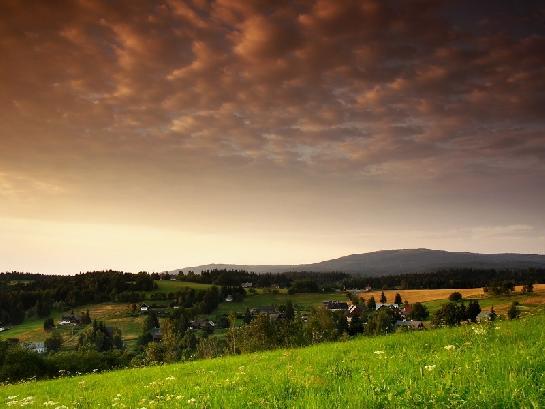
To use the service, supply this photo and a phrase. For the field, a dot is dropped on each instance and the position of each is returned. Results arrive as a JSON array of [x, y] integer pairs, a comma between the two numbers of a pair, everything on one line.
[[167, 286], [117, 314], [111, 313], [423, 295], [433, 299], [300, 301], [498, 365]]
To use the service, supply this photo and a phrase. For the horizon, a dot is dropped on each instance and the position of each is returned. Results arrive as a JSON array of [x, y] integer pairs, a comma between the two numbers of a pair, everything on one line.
[[235, 264], [156, 135]]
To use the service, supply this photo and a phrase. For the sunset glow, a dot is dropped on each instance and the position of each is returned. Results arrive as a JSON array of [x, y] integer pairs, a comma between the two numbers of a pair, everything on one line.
[[143, 135]]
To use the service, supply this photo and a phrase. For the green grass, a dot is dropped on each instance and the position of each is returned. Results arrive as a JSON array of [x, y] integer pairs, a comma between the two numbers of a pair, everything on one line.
[[167, 286], [113, 314], [300, 301], [492, 366], [500, 303]]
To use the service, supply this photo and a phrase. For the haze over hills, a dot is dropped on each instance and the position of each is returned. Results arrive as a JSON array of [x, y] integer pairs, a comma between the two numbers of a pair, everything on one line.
[[401, 261]]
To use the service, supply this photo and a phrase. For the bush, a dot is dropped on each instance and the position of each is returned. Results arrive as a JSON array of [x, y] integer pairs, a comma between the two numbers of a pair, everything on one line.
[[419, 312], [455, 296], [54, 342]]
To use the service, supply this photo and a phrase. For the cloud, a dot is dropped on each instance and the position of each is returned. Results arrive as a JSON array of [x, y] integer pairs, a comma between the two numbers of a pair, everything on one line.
[[133, 98]]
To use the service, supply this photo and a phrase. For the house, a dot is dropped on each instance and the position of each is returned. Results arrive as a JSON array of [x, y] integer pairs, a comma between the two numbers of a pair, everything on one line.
[[354, 310], [409, 325], [486, 316], [336, 305], [266, 309], [38, 347], [247, 285], [407, 309], [229, 298], [354, 291], [201, 324], [379, 306], [144, 308], [70, 319]]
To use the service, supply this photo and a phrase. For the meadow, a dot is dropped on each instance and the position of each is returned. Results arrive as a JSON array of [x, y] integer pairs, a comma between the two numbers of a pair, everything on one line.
[[496, 365], [302, 302]]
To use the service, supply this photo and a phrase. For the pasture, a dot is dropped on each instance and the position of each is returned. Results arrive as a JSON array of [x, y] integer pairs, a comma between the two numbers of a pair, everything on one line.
[[496, 365]]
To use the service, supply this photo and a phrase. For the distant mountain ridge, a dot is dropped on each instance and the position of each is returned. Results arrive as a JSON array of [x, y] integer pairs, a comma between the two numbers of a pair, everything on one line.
[[387, 262]]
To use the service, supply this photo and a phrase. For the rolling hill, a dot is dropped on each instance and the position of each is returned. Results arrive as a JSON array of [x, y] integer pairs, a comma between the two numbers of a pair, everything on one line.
[[496, 365], [386, 262]]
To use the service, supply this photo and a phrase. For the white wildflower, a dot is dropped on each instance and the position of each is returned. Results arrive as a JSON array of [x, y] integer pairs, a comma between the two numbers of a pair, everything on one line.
[[170, 378], [191, 401], [11, 397], [429, 367], [450, 347], [378, 352]]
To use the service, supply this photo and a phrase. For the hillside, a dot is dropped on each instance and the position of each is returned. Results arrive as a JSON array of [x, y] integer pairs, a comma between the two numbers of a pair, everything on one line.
[[492, 365], [387, 262]]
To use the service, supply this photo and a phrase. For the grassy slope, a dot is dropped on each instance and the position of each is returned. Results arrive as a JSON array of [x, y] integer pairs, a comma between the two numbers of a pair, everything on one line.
[[500, 367]]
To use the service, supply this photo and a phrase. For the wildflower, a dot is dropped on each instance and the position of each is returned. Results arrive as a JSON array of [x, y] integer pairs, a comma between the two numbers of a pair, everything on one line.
[[450, 347], [191, 401], [496, 327], [378, 352], [11, 397], [50, 403], [170, 378], [429, 367]]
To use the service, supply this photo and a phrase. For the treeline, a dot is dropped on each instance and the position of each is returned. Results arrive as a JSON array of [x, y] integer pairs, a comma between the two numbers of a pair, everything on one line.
[[35, 295], [315, 282], [307, 281], [449, 278]]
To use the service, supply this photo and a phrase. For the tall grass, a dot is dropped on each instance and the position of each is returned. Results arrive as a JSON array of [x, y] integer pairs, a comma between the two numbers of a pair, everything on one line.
[[500, 365]]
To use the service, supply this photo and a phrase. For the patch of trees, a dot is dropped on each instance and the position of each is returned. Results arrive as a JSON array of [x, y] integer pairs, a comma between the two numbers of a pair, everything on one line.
[[35, 295], [453, 313], [100, 338], [18, 363], [223, 277]]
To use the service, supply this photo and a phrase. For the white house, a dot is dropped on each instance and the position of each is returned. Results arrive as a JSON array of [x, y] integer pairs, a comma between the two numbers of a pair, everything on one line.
[[38, 347], [379, 306]]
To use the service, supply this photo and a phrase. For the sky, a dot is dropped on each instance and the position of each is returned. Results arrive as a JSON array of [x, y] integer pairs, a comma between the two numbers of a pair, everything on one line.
[[140, 135]]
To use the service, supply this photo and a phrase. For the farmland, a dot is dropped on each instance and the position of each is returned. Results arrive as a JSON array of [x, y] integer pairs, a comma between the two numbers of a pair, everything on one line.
[[482, 366], [119, 315]]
